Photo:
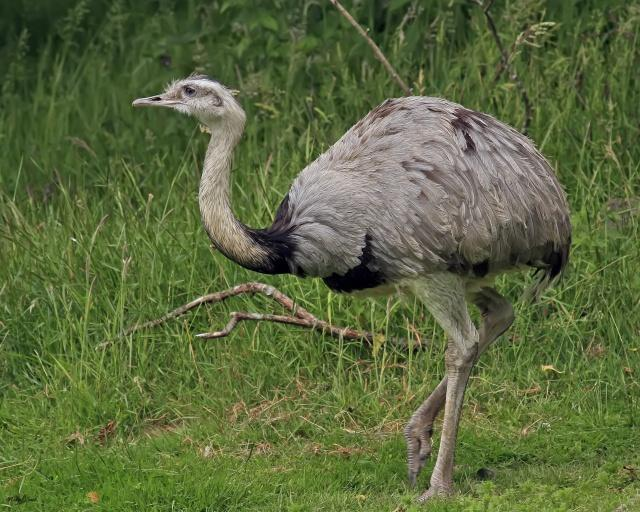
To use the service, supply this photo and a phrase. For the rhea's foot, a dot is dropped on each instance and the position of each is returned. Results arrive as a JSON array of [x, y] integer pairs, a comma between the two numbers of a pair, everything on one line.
[[418, 437], [435, 491]]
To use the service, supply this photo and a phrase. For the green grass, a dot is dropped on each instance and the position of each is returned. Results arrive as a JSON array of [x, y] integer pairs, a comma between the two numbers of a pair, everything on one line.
[[99, 228]]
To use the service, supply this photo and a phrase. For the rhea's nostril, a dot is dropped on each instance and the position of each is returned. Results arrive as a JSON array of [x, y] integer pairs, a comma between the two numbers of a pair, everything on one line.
[[156, 98]]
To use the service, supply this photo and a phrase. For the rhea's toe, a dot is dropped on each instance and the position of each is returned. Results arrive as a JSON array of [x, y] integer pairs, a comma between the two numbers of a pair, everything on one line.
[[418, 451]]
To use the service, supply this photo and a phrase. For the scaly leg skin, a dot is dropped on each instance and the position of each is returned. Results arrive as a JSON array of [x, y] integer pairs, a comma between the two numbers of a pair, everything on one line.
[[459, 361], [497, 316]]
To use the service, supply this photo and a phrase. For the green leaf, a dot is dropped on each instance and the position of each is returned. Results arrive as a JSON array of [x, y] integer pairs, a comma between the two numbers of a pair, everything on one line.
[[307, 44], [268, 22]]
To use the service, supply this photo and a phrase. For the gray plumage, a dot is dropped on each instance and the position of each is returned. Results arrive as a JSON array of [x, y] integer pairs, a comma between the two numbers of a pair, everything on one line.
[[421, 196], [434, 187]]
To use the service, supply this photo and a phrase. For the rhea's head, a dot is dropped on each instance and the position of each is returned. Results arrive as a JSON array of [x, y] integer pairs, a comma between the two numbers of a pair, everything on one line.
[[203, 98]]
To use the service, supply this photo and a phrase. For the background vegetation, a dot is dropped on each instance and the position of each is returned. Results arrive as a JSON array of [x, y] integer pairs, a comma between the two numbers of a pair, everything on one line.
[[99, 228]]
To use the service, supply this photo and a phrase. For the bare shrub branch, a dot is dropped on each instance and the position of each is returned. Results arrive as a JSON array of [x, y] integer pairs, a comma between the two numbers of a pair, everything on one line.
[[311, 323], [213, 298], [299, 315], [505, 63], [376, 49]]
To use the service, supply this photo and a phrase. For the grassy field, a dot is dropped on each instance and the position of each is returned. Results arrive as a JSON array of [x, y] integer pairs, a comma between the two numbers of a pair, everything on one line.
[[99, 228]]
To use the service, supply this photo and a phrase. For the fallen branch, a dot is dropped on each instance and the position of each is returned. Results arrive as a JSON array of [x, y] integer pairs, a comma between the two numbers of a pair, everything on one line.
[[505, 64], [376, 49], [213, 298], [315, 324], [299, 315]]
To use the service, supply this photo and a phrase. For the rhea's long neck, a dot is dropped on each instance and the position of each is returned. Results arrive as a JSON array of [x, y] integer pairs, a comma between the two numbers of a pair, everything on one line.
[[236, 241]]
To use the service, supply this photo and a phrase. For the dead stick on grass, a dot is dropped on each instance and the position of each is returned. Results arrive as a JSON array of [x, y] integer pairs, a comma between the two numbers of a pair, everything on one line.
[[299, 316], [315, 324], [505, 64], [376, 50]]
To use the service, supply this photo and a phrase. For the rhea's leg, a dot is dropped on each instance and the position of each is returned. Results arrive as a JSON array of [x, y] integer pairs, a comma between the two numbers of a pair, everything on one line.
[[444, 295], [497, 316]]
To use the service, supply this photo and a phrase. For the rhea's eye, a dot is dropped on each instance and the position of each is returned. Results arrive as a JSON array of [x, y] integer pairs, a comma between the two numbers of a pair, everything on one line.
[[189, 91]]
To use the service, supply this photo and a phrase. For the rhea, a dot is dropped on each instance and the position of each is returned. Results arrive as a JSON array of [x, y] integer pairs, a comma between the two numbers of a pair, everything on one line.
[[422, 196]]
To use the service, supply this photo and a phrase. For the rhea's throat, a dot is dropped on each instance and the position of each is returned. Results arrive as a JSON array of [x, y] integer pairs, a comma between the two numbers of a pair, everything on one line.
[[228, 234]]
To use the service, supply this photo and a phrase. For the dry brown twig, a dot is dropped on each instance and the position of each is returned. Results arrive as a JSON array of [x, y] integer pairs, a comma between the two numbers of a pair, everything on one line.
[[299, 316], [505, 63], [376, 49], [315, 323]]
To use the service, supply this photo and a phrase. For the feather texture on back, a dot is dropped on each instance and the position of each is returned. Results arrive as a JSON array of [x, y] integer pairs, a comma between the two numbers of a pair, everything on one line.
[[422, 185]]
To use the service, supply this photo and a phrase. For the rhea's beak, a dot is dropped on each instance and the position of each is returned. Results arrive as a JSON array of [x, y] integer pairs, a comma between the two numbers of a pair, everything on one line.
[[154, 101]]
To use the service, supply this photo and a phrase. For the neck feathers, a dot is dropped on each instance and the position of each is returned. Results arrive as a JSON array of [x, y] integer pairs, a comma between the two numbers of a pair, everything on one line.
[[267, 251]]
